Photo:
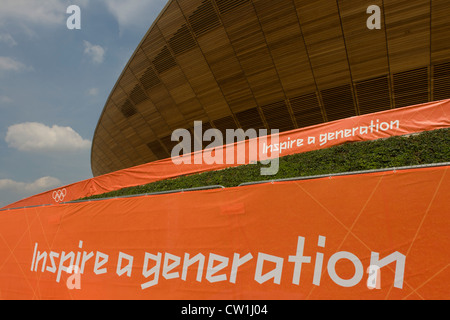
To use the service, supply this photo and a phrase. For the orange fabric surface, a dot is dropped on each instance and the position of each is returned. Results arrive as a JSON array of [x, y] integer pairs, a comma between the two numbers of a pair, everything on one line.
[[424, 117], [306, 239]]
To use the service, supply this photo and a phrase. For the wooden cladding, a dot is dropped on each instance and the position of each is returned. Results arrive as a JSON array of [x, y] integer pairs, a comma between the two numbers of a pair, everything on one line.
[[441, 78], [373, 95], [164, 61], [158, 149], [128, 109], [270, 64], [204, 18], [306, 110], [228, 5], [149, 79], [182, 41], [277, 116], [225, 123], [338, 102], [250, 119], [411, 87], [138, 95]]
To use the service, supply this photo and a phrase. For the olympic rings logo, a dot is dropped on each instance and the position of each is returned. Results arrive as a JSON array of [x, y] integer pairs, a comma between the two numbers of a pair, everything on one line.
[[59, 195]]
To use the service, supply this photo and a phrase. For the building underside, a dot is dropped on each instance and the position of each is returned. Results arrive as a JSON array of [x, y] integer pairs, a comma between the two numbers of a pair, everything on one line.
[[274, 64]]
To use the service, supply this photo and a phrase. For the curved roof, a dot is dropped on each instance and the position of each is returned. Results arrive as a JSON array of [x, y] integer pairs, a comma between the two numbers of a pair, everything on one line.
[[280, 64]]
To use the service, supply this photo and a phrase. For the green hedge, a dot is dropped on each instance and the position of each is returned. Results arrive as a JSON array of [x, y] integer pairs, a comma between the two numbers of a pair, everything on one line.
[[425, 148]]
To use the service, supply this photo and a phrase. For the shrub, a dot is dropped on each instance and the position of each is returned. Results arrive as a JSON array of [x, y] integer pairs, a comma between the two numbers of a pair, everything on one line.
[[425, 148]]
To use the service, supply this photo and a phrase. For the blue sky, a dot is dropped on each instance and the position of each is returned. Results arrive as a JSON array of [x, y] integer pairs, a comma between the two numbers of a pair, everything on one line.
[[54, 83]]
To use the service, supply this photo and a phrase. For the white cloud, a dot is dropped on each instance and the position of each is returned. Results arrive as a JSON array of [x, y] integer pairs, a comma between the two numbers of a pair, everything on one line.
[[29, 16], [95, 52], [33, 136], [132, 13], [41, 184], [5, 99], [42, 12], [7, 39], [93, 91], [82, 3], [10, 64]]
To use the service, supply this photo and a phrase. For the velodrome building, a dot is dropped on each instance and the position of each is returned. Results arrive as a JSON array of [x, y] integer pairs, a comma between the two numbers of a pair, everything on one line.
[[274, 64], [320, 73]]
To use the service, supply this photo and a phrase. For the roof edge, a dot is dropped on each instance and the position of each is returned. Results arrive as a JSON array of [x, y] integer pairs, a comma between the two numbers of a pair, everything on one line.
[[169, 2]]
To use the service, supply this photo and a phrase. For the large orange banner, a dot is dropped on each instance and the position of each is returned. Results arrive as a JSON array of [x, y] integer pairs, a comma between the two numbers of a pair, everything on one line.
[[381, 235], [396, 122]]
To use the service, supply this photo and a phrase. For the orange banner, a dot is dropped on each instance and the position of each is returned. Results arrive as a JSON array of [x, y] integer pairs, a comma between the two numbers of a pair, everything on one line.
[[396, 122], [380, 235]]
